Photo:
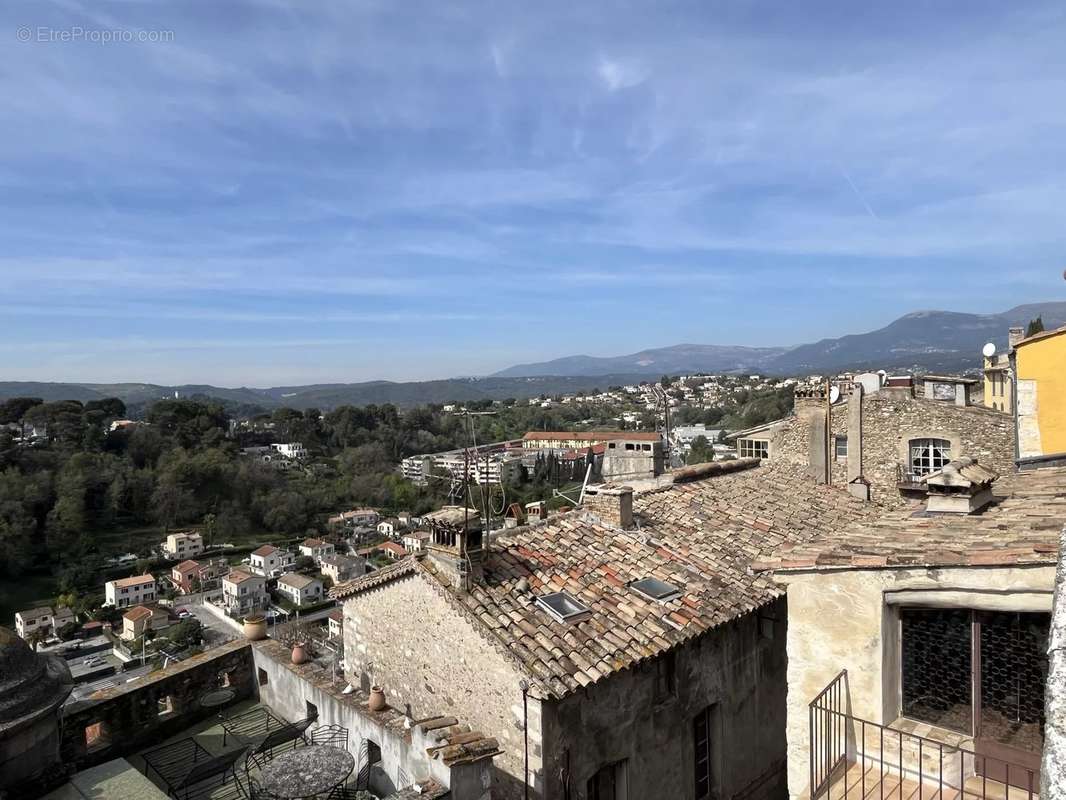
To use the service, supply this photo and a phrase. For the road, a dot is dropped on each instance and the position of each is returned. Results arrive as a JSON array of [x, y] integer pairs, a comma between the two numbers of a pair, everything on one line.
[[214, 630]]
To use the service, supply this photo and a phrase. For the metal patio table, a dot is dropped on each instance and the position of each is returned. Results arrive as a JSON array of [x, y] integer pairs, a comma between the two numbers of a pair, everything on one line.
[[306, 772]]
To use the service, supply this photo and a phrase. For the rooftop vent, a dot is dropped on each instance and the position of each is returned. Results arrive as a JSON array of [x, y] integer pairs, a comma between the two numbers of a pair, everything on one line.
[[961, 486], [563, 607], [655, 589]]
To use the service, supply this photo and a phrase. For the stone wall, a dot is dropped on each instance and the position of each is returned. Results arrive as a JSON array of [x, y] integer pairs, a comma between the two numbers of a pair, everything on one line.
[[443, 665], [889, 420], [847, 619], [406, 637], [1053, 774], [737, 671], [127, 717], [289, 689]]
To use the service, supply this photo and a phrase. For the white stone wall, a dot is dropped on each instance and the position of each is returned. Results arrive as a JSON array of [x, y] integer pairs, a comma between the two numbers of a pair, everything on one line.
[[407, 638], [1053, 775], [845, 620]]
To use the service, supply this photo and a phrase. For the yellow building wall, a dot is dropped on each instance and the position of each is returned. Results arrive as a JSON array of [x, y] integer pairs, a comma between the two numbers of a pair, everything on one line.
[[1041, 366]]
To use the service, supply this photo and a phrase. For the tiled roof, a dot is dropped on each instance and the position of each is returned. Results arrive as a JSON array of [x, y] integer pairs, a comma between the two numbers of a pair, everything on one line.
[[33, 613], [136, 580], [699, 536], [312, 543], [378, 577], [240, 576], [296, 580], [187, 566], [592, 436], [1020, 528], [140, 612], [392, 547], [265, 550]]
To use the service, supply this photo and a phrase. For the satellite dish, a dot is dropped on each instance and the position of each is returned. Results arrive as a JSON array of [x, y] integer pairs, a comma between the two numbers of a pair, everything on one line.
[[834, 394], [989, 350]]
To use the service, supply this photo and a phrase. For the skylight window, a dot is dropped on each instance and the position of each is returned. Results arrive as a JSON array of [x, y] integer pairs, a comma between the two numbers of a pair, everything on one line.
[[655, 589], [564, 607]]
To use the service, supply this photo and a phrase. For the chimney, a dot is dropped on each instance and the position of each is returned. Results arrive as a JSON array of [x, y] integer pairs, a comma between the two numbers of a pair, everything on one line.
[[1014, 335], [961, 487], [456, 553], [612, 504]]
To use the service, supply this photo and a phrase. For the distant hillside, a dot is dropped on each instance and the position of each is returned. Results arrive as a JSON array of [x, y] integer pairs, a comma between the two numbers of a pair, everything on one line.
[[923, 340], [327, 396], [660, 361]]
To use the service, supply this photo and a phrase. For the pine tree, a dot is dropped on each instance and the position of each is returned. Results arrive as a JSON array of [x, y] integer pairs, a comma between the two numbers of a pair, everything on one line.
[[1035, 326]]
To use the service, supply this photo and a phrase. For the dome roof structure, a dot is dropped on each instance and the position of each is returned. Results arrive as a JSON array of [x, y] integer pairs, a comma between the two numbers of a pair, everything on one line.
[[31, 684]]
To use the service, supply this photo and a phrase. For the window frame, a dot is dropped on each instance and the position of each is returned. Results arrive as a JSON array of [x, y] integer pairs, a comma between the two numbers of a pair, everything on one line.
[[748, 447]]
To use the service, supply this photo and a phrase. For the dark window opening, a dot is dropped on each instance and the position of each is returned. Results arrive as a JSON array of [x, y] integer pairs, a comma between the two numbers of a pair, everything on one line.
[[630, 446], [609, 782], [263, 680], [941, 670], [312, 710], [666, 675], [701, 741]]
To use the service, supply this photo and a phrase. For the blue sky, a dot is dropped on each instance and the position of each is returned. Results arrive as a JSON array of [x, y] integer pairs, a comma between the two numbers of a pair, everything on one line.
[[303, 192]]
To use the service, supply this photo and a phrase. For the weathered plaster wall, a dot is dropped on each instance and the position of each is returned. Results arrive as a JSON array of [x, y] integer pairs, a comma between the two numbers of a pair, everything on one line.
[[847, 620], [889, 420], [441, 665], [288, 688], [739, 670]]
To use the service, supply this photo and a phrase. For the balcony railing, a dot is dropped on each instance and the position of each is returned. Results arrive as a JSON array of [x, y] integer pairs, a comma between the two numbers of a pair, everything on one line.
[[855, 759]]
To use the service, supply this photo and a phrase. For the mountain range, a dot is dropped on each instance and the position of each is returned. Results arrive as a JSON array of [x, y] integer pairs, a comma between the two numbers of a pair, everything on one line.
[[923, 341]]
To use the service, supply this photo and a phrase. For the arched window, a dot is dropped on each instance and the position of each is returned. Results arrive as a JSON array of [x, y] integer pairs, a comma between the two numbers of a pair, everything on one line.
[[929, 455]]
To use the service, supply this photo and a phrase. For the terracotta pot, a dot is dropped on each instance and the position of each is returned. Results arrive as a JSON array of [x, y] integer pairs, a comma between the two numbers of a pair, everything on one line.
[[255, 628], [377, 699], [299, 653]]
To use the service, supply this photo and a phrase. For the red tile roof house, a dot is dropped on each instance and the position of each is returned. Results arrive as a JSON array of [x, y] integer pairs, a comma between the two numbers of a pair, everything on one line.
[[627, 642], [923, 635]]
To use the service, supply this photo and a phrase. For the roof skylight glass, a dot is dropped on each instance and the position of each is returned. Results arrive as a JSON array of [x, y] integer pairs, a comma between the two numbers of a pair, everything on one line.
[[655, 589], [564, 607]]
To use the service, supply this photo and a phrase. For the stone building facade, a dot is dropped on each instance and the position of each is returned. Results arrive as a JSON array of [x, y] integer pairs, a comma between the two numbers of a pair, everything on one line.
[[614, 692], [872, 438]]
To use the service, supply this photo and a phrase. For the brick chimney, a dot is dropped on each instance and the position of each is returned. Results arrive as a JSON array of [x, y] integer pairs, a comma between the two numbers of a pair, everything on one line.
[[456, 553], [612, 504]]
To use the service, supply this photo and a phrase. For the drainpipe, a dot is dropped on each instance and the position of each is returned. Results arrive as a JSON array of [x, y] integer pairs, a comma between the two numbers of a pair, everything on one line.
[[524, 684]]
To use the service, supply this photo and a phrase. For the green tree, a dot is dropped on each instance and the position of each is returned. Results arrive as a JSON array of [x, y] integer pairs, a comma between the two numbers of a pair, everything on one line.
[[700, 451], [1035, 326]]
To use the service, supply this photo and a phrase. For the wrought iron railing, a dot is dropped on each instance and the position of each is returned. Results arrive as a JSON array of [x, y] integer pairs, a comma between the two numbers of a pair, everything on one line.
[[886, 758]]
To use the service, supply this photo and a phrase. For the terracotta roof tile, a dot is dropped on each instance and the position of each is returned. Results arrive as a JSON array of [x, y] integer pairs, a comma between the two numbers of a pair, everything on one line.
[[1020, 527]]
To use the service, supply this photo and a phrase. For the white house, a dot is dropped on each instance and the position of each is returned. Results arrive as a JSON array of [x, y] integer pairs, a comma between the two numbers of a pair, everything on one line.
[[389, 526], [415, 541], [356, 518], [291, 450], [336, 624], [243, 593], [129, 592], [316, 549], [342, 568], [183, 545], [302, 590], [270, 561], [44, 618]]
